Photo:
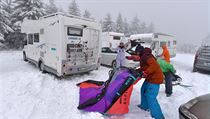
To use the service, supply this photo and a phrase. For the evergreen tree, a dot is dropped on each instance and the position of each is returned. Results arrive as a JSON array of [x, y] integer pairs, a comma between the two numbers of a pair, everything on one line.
[[135, 26], [151, 28], [126, 27], [51, 8], [87, 14], [143, 28], [74, 9], [5, 18], [30, 9], [108, 24], [119, 24]]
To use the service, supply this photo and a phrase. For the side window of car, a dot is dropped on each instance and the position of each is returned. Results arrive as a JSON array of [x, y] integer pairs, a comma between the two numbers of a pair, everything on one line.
[[104, 50], [107, 50]]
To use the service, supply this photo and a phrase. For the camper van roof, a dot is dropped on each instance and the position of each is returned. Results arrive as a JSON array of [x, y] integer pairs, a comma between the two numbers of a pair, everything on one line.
[[147, 35], [66, 15]]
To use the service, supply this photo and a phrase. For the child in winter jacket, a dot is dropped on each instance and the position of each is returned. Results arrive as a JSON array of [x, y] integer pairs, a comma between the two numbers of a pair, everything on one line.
[[168, 71], [121, 49], [151, 85]]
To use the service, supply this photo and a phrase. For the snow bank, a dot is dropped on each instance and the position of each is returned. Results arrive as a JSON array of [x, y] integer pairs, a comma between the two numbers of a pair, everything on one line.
[[26, 93]]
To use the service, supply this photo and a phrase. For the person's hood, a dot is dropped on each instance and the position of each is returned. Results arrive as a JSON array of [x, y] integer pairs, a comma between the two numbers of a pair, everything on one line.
[[145, 51]]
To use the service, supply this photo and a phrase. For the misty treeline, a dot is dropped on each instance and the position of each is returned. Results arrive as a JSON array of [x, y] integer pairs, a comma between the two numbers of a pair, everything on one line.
[[121, 25], [13, 12]]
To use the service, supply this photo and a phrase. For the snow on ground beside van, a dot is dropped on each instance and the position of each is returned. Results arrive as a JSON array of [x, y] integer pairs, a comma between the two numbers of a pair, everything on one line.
[[26, 93]]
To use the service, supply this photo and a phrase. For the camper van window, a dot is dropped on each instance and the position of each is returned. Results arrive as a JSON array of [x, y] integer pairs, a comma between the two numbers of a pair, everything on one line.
[[169, 44], [30, 38], [74, 31], [174, 42], [116, 37], [36, 37], [162, 43]]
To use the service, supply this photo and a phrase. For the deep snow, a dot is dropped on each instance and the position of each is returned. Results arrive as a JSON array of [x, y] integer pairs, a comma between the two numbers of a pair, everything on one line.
[[26, 93]]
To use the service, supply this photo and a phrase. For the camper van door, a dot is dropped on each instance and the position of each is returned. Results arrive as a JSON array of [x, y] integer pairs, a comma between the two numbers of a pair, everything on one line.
[[30, 47], [155, 48], [36, 47]]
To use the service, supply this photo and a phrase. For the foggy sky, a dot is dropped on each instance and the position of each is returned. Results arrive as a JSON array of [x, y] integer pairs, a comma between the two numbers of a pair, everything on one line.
[[188, 20]]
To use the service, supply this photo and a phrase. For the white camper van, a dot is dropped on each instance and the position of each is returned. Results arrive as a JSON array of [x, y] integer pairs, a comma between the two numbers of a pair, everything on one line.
[[155, 42], [112, 37], [62, 44]]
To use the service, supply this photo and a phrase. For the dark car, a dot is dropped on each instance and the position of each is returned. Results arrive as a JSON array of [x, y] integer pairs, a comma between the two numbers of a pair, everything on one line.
[[197, 108], [202, 59]]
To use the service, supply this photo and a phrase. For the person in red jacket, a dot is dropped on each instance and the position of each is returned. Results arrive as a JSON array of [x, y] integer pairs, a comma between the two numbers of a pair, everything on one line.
[[150, 88], [165, 54]]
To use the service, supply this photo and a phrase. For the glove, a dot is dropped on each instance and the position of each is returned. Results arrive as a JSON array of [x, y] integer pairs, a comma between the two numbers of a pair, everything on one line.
[[128, 57]]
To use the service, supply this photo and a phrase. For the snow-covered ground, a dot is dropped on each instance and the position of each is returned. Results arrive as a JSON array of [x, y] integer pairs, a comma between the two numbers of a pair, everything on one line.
[[26, 93]]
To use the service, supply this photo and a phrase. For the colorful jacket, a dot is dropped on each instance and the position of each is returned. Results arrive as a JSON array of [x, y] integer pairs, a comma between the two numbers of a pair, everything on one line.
[[151, 67], [166, 67], [165, 54]]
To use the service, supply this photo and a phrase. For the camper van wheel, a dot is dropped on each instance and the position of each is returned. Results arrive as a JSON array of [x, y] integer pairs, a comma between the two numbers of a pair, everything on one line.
[[24, 56], [41, 66], [114, 63]]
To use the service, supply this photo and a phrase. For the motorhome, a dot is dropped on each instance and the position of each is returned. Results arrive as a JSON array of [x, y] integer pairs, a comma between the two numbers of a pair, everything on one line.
[[155, 42], [112, 37], [62, 44]]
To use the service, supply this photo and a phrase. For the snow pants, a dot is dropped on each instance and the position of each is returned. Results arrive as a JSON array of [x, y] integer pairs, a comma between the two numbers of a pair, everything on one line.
[[120, 62], [168, 82], [149, 101]]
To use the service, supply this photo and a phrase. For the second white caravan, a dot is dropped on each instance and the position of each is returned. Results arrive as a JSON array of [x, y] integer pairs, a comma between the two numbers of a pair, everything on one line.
[[155, 42], [63, 44], [112, 37]]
